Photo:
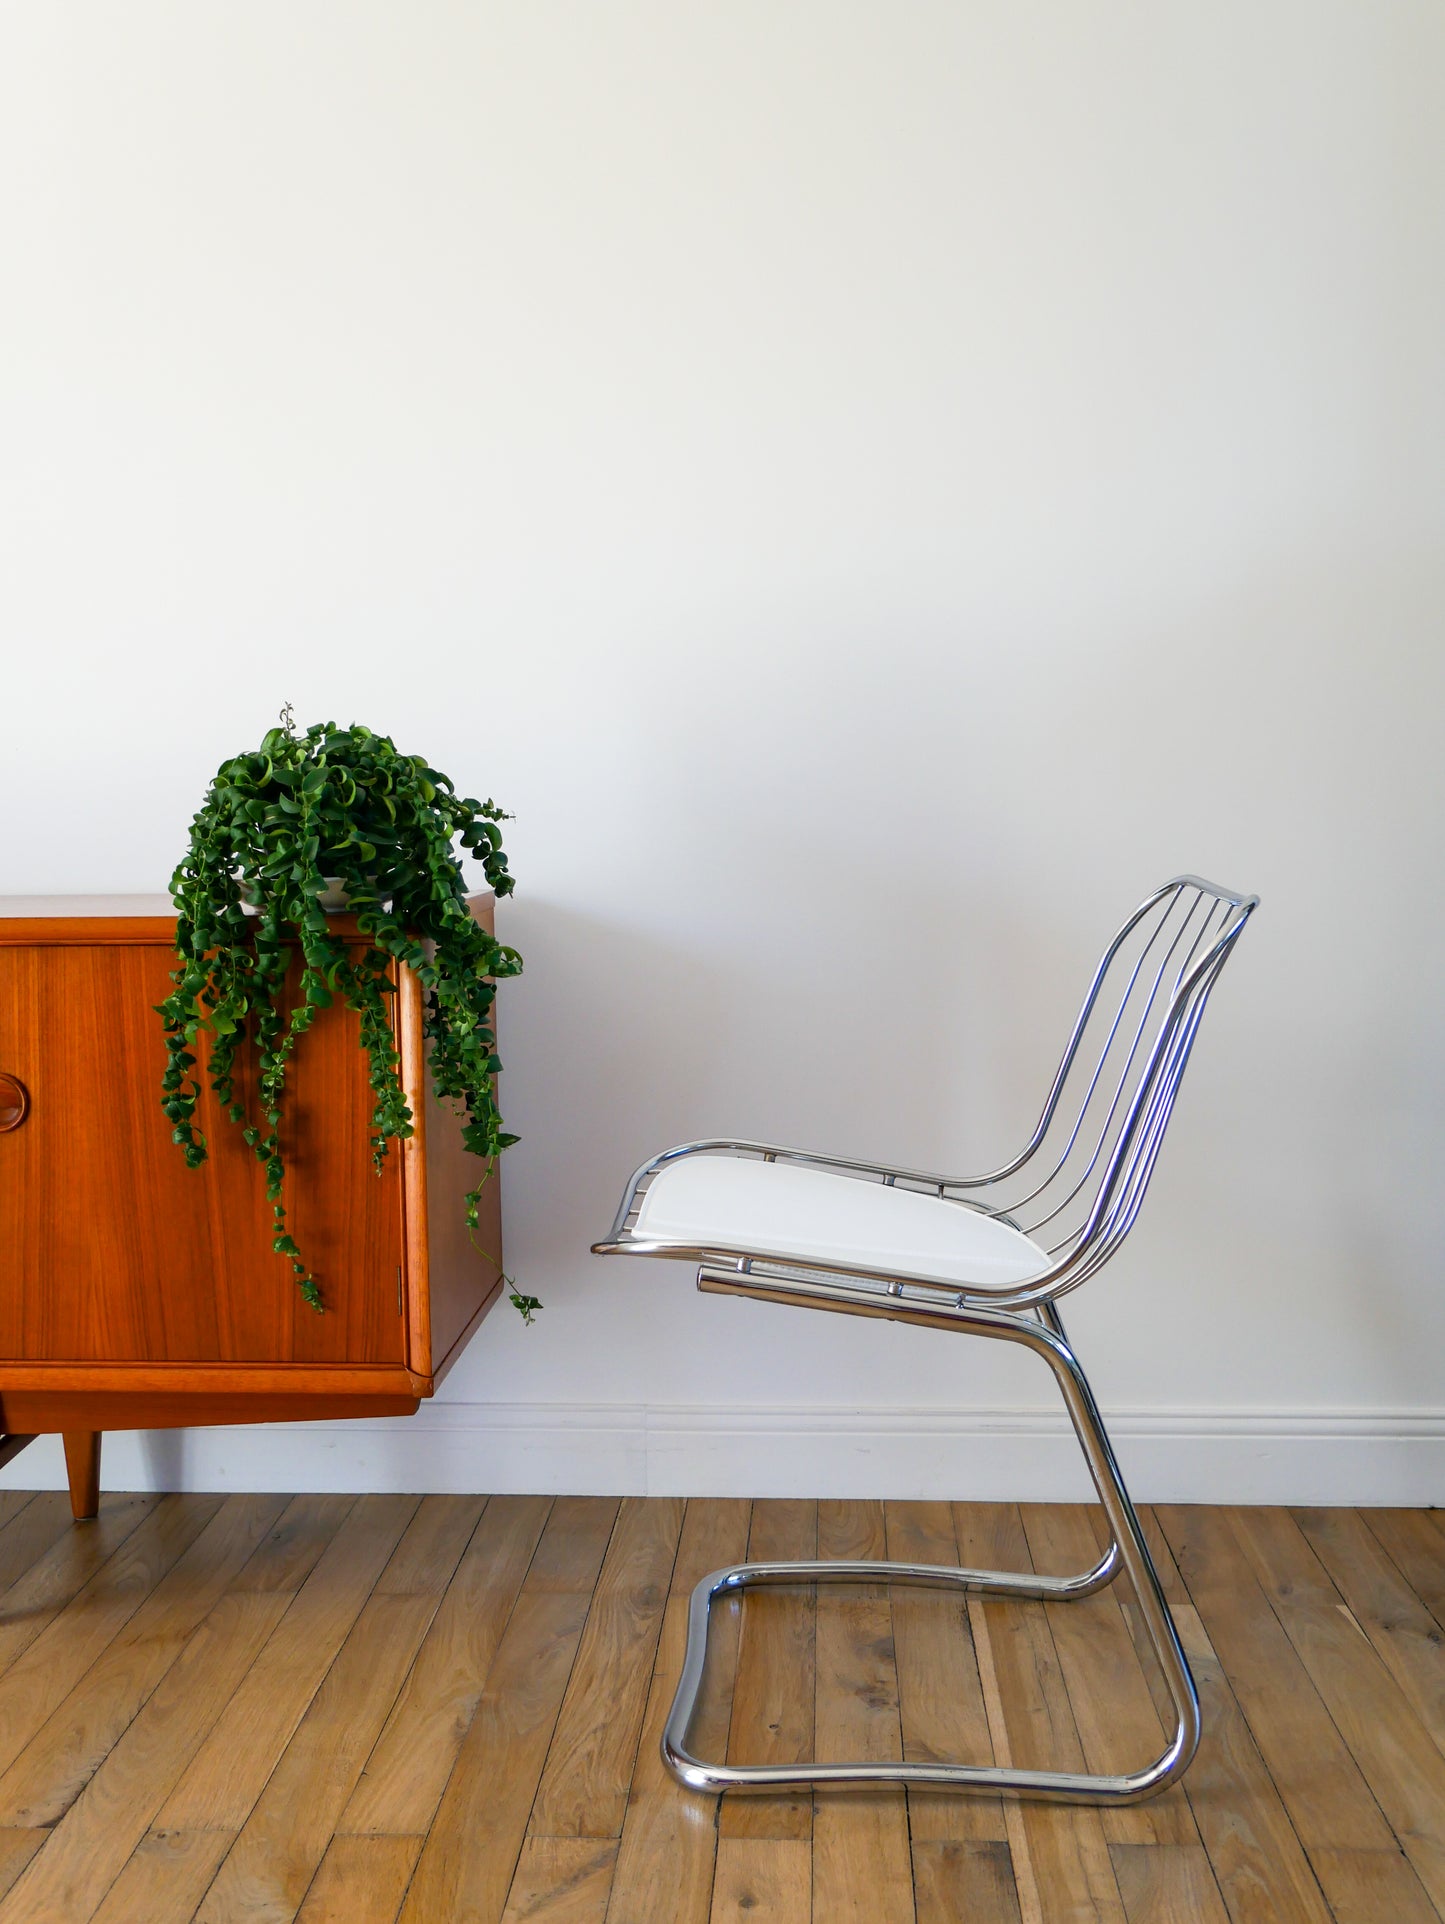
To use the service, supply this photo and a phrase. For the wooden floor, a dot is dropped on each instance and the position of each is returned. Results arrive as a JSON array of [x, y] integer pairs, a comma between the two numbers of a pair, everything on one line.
[[385, 1707]]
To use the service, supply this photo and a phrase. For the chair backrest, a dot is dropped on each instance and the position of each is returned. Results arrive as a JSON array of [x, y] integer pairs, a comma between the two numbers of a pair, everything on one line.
[[1077, 1185]]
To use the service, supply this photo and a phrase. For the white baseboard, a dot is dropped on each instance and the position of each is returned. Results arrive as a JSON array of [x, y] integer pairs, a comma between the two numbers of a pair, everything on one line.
[[1181, 1456]]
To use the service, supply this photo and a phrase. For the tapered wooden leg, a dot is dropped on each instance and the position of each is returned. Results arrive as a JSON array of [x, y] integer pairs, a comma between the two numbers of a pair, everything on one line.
[[82, 1466]]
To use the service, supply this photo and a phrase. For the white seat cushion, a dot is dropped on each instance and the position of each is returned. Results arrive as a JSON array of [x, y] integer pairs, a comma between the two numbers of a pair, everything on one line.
[[787, 1210]]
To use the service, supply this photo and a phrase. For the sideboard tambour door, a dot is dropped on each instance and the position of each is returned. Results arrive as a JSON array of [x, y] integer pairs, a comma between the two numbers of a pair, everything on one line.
[[112, 1250]]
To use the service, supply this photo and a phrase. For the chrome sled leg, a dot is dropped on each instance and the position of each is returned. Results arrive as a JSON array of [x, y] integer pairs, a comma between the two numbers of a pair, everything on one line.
[[1127, 1552]]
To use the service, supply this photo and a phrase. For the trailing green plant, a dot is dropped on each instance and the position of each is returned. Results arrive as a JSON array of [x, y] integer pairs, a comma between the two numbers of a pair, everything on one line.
[[278, 826]]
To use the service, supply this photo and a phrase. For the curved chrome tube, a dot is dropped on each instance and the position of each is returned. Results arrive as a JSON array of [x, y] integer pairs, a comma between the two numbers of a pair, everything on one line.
[[1127, 1552]]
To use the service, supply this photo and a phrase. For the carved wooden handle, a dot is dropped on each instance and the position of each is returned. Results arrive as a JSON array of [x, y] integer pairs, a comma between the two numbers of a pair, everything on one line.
[[14, 1102]]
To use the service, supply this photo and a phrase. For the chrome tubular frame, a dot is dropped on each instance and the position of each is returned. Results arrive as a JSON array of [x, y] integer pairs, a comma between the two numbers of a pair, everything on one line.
[[1087, 1163], [1127, 1551]]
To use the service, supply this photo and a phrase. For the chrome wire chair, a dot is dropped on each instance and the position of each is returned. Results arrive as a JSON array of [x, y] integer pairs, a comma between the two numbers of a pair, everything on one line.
[[984, 1256]]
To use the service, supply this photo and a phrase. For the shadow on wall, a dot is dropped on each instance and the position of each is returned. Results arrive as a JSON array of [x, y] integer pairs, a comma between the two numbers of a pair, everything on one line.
[[165, 1453]]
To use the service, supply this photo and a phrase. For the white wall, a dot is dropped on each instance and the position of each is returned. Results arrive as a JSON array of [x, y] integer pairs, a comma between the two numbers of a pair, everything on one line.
[[875, 489]]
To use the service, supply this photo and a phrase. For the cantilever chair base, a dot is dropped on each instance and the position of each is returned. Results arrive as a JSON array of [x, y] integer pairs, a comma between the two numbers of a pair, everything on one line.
[[1127, 1552]]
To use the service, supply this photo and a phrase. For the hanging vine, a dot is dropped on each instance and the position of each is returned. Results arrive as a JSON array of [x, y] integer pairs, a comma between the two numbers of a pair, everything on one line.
[[276, 830]]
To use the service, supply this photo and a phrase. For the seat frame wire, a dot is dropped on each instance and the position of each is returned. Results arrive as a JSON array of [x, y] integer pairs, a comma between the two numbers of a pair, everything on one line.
[[1190, 926]]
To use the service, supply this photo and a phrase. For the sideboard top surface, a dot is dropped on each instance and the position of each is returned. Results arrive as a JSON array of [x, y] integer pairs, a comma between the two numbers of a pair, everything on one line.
[[27, 920], [46, 907]]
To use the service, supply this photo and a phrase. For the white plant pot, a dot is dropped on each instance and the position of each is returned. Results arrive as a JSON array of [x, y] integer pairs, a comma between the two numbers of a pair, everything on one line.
[[333, 898]]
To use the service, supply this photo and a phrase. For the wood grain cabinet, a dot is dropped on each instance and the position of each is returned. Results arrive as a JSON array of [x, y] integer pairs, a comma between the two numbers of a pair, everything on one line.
[[136, 1293]]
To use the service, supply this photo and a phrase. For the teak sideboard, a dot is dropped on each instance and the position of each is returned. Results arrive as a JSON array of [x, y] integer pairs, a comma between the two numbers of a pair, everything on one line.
[[136, 1293]]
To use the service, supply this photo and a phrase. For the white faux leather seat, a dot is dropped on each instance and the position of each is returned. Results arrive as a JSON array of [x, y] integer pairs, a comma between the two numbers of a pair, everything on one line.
[[782, 1209]]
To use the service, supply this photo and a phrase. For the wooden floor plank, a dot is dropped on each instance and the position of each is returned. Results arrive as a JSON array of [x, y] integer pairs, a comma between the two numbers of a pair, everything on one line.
[[1323, 1789], [42, 1591], [225, 1779], [43, 1676], [471, 1852], [488, 1670], [270, 1865], [59, 1760], [1262, 1872], [431, 1548], [17, 1847], [1061, 1856], [964, 1881], [273, 1860], [861, 1865], [88, 1848], [1258, 1861], [1165, 1568], [1167, 1883], [1415, 1542], [165, 1877], [669, 1837], [1254, 1853], [36, 1524], [762, 1878], [1373, 1887], [772, 1707], [295, 1544], [402, 1784], [362, 1880], [1378, 1721], [940, 1695], [571, 1548], [562, 1880], [1403, 1631], [665, 1861], [177, 1715], [583, 1792], [1108, 1689], [12, 1502]]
